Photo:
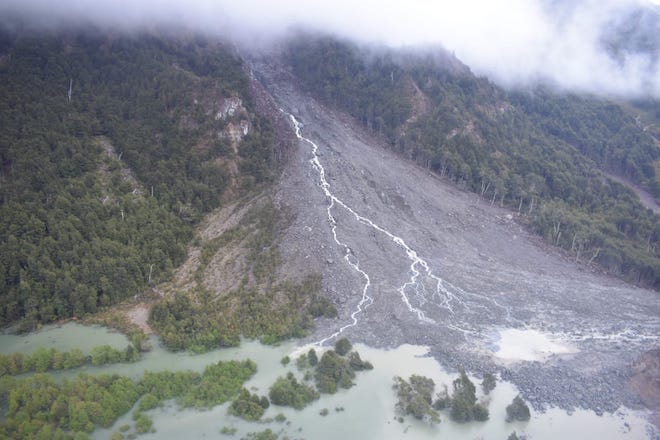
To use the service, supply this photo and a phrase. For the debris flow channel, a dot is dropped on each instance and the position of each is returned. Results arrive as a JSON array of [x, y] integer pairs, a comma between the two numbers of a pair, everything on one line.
[[407, 258], [414, 289]]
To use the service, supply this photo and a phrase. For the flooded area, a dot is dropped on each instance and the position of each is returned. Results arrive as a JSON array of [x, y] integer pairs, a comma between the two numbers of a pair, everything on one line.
[[367, 410], [63, 338]]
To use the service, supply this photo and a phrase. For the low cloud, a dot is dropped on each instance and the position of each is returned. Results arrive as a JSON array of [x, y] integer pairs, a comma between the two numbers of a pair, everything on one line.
[[515, 42]]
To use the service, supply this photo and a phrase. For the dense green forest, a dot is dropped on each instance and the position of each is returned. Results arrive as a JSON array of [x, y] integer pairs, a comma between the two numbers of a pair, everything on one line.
[[601, 130], [110, 153], [40, 407], [537, 152]]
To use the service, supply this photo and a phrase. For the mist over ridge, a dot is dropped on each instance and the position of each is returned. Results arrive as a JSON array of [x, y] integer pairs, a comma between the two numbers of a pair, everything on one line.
[[607, 47]]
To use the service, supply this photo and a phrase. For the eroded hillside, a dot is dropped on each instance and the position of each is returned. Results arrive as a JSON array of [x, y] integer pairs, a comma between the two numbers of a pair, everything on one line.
[[408, 258], [544, 153]]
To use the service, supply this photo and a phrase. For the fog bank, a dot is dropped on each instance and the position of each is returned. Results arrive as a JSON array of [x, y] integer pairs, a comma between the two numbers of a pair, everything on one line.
[[600, 46]]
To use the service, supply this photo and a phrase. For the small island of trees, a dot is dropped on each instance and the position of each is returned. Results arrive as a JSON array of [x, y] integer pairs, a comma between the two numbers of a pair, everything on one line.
[[415, 397], [336, 369]]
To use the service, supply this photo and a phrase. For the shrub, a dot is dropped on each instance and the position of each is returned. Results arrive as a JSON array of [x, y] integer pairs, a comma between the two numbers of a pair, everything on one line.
[[228, 431], [517, 410], [287, 391], [343, 346], [148, 401], [312, 358], [302, 362], [488, 383], [480, 413], [415, 397], [464, 405], [263, 435], [143, 423], [248, 406], [333, 371], [357, 364]]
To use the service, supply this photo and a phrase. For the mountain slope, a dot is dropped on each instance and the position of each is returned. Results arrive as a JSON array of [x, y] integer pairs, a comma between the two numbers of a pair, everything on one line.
[[409, 258], [112, 147], [537, 153]]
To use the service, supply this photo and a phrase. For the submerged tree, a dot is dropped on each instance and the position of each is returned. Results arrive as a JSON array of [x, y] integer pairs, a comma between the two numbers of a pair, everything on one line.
[[333, 372], [415, 397], [517, 410], [488, 383], [464, 406], [343, 346]]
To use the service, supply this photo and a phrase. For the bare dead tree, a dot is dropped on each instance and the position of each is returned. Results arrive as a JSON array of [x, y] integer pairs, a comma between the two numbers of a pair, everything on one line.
[[484, 187], [556, 231]]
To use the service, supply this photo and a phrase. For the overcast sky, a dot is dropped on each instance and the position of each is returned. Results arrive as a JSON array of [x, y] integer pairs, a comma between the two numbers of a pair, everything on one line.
[[511, 41]]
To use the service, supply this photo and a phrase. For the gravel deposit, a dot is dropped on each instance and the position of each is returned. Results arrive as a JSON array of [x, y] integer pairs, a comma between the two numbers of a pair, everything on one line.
[[486, 272]]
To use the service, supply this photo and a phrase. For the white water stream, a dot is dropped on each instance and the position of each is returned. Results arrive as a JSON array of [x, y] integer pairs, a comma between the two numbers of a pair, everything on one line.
[[418, 266], [443, 293]]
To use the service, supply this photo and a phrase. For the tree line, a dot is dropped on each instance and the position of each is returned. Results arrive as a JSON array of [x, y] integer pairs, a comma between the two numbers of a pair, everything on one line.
[[43, 359]]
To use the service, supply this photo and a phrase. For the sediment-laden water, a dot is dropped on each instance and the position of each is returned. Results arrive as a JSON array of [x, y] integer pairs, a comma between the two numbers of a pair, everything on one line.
[[367, 410]]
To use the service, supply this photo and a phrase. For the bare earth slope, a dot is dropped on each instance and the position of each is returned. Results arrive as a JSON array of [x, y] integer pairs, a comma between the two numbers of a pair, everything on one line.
[[423, 262]]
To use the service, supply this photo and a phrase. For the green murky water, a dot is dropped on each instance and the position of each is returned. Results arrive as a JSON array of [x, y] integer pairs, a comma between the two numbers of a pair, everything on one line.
[[64, 338], [368, 406]]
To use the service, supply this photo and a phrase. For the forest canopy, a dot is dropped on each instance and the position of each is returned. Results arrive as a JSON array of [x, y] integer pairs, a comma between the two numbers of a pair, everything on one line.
[[111, 150]]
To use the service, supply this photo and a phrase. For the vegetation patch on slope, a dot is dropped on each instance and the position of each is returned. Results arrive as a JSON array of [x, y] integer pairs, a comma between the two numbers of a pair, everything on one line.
[[201, 316]]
